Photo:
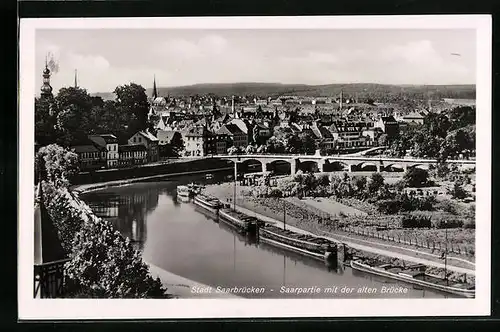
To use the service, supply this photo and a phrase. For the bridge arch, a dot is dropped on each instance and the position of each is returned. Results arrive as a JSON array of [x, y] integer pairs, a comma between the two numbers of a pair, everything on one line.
[[395, 168], [250, 165], [421, 166], [308, 166], [280, 166], [335, 166], [368, 167]]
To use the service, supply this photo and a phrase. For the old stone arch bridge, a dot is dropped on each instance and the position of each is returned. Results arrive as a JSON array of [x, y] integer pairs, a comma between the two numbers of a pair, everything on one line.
[[316, 163]]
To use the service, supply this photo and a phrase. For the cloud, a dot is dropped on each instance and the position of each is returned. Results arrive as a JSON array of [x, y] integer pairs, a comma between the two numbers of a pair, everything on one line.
[[88, 62], [206, 46], [414, 52]]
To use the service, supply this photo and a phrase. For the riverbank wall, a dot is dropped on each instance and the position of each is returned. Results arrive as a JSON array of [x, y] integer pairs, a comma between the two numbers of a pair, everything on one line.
[[85, 188], [144, 172]]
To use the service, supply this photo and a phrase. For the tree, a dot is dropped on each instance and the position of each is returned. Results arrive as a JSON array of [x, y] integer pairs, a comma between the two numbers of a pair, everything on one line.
[[359, 183], [177, 144], [307, 143], [56, 164], [382, 140], [376, 182], [274, 145], [132, 99], [105, 265], [232, 150], [416, 177], [250, 149], [462, 116], [45, 121], [437, 124], [73, 109]]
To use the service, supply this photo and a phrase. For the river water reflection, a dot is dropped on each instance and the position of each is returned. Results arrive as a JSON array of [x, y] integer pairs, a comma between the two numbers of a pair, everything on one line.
[[183, 239]]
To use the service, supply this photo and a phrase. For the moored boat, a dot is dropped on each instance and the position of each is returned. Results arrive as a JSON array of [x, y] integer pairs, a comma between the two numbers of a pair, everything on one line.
[[242, 222], [308, 245], [194, 189], [210, 203], [415, 275], [183, 192]]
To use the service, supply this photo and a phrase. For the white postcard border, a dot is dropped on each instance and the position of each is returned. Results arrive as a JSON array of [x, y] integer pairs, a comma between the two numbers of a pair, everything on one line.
[[62, 309]]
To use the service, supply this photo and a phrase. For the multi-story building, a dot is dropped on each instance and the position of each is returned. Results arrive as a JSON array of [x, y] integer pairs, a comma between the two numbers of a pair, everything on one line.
[[90, 156], [389, 125], [199, 142], [237, 137], [147, 139], [132, 154], [110, 143], [221, 143], [350, 134]]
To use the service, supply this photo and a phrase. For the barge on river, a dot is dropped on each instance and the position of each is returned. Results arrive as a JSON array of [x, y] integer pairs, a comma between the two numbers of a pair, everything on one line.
[[415, 275], [308, 245], [240, 221], [183, 192], [211, 204]]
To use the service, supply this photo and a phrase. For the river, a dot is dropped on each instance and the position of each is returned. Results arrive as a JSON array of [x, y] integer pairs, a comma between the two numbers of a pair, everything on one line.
[[187, 241]]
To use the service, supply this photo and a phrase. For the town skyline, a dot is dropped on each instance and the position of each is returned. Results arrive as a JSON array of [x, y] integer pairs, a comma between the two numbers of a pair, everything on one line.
[[190, 57]]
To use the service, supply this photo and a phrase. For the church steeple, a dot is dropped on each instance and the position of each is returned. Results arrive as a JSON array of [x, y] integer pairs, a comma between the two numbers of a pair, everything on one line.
[[76, 80], [46, 90], [155, 93]]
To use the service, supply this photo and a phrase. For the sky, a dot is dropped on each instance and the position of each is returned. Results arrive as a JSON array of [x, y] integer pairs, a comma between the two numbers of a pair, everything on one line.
[[106, 58]]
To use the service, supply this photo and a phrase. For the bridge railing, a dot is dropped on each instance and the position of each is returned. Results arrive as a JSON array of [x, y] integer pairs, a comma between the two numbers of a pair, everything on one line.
[[343, 157]]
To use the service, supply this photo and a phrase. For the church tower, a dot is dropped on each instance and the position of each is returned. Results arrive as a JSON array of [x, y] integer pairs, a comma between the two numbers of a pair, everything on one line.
[[76, 80], [46, 90], [155, 93]]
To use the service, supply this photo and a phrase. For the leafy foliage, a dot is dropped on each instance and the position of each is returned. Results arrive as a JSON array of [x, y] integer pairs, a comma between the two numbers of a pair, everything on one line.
[[73, 114], [458, 191], [106, 265], [56, 164], [416, 177], [103, 264]]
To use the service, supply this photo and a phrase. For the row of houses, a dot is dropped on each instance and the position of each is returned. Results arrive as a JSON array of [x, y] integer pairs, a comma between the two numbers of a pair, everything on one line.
[[103, 151]]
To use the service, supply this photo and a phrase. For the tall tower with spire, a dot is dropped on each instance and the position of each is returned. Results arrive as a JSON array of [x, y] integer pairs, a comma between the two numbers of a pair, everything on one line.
[[341, 99], [232, 105], [46, 90], [155, 93], [76, 80]]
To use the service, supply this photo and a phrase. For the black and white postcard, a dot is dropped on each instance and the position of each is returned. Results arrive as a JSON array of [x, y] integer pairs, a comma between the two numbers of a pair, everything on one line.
[[317, 166]]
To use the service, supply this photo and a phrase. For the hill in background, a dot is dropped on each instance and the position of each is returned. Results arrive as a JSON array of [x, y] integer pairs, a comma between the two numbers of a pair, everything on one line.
[[361, 91]]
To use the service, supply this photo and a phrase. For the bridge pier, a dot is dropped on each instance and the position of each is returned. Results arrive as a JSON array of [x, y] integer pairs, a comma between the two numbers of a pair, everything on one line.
[[264, 166], [293, 166], [321, 165]]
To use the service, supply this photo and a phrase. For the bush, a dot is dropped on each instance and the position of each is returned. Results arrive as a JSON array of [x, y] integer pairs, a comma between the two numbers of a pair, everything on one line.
[[447, 223], [448, 206], [376, 182], [415, 221], [469, 224], [389, 206], [275, 192], [56, 164], [458, 191], [106, 265], [416, 177]]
